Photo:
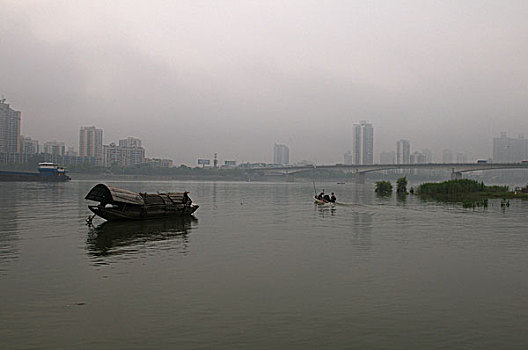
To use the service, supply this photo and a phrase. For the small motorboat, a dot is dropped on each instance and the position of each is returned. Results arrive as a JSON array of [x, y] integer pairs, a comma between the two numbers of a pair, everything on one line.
[[321, 201]]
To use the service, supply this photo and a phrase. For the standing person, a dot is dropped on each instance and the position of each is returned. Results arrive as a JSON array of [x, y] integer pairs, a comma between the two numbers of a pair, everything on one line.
[[333, 198]]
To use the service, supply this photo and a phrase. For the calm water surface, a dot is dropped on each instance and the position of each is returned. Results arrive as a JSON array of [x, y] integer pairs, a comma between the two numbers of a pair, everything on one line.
[[261, 266]]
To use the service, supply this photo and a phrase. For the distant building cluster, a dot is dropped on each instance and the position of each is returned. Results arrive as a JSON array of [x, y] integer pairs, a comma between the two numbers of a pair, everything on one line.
[[509, 150], [403, 155], [128, 152], [17, 148]]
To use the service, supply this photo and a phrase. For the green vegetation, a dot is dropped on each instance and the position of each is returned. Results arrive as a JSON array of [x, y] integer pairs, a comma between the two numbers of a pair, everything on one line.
[[468, 192], [401, 185], [383, 188]]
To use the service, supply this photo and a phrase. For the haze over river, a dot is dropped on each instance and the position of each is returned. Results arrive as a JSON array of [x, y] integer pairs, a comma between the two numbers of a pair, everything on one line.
[[261, 266]]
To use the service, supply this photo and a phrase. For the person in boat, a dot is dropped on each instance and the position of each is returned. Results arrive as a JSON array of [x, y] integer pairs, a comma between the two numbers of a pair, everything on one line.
[[321, 195], [326, 198], [333, 198]]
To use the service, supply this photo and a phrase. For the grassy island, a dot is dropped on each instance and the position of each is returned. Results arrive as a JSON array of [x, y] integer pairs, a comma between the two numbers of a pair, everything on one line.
[[468, 192]]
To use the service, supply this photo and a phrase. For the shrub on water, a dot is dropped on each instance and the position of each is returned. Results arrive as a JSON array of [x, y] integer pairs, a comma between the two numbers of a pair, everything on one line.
[[401, 185], [383, 188]]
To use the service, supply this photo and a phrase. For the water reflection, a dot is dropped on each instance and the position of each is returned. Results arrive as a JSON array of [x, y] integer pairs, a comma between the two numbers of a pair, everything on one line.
[[361, 224], [9, 197], [116, 239], [325, 209]]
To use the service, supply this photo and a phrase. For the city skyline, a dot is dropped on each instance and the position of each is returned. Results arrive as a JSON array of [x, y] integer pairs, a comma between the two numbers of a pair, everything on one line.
[[129, 151], [439, 155]]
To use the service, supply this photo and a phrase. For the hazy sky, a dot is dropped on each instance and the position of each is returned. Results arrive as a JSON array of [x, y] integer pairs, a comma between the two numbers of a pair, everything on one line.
[[191, 78]]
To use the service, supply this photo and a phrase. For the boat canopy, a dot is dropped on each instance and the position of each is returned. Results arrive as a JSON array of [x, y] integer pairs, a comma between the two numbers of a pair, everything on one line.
[[109, 194]]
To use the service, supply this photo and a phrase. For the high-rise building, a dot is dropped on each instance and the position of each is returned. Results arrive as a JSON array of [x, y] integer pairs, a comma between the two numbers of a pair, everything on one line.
[[91, 143], [130, 142], [363, 143], [9, 129], [356, 144], [55, 148], [367, 156], [127, 153], [403, 152], [281, 154], [509, 149], [28, 145]]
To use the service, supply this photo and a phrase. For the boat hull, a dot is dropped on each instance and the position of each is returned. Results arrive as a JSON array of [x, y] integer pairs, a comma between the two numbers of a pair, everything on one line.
[[140, 213], [322, 202], [26, 176]]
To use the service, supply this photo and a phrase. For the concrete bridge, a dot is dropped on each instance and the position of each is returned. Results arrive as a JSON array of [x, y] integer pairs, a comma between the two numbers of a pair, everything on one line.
[[456, 169]]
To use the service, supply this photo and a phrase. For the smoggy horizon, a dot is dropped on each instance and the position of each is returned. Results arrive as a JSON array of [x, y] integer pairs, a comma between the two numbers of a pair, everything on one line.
[[193, 79]]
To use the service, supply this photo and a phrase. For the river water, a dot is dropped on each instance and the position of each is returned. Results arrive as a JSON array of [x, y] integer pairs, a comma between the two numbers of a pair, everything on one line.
[[261, 267]]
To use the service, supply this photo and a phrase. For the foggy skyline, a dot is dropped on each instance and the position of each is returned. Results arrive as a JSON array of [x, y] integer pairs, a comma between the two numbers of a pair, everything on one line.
[[195, 78]]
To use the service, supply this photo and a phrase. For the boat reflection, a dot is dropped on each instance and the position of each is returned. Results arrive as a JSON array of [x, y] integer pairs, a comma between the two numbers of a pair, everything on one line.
[[118, 239]]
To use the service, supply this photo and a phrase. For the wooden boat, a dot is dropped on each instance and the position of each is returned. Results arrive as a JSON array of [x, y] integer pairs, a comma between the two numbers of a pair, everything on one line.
[[119, 204], [321, 201]]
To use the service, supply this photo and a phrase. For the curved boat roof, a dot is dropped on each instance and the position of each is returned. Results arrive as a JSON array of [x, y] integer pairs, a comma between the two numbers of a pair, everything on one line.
[[109, 194]]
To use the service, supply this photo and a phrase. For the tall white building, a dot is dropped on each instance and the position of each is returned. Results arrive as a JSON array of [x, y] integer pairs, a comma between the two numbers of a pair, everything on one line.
[[28, 145], [281, 154], [403, 152], [356, 144], [91, 142], [363, 143], [9, 129], [55, 148]]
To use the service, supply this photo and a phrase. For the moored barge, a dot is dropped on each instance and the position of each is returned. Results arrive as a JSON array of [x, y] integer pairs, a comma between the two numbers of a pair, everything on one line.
[[47, 172]]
